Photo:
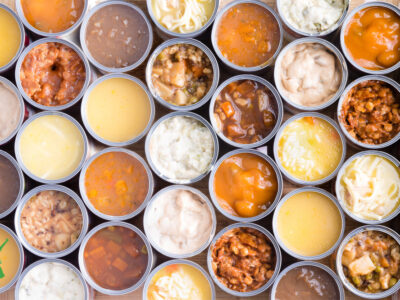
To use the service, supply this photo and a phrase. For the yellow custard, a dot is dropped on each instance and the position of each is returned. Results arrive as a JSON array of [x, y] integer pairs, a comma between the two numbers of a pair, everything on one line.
[[51, 147], [179, 282], [10, 37], [309, 223], [118, 110], [310, 149], [9, 258]]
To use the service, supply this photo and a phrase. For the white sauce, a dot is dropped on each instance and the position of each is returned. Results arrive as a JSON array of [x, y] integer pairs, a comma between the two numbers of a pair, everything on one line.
[[179, 221], [181, 148], [10, 110], [51, 281], [312, 16]]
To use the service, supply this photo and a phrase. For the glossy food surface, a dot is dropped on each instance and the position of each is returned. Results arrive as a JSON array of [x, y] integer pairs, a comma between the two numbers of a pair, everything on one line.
[[10, 37], [9, 258], [9, 184]]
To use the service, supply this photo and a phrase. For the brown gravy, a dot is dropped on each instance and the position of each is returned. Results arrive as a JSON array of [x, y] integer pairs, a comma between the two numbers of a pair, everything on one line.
[[9, 184], [307, 282]]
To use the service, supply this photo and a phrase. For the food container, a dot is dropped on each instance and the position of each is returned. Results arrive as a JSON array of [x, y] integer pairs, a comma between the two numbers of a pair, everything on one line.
[[21, 184], [18, 154], [52, 260], [178, 261], [344, 27], [294, 33], [345, 73], [18, 6], [104, 69], [276, 248], [147, 216], [278, 195], [167, 34], [85, 103], [352, 141], [382, 154], [275, 223], [307, 264], [14, 89], [279, 107], [21, 259], [11, 63], [88, 278], [339, 268], [286, 174], [22, 58], [171, 42], [189, 115], [34, 192], [231, 65], [89, 204]]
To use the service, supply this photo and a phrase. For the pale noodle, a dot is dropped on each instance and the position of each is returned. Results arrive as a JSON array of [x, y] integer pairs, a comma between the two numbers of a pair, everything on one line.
[[183, 16]]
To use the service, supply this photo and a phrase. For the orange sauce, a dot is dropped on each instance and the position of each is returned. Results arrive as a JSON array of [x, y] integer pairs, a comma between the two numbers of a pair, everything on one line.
[[52, 15], [116, 183], [248, 35], [372, 38], [245, 185]]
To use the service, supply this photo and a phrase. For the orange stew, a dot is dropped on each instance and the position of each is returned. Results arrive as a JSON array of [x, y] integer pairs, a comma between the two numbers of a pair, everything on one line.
[[372, 38], [116, 257], [245, 111], [245, 185], [248, 35], [116, 183]]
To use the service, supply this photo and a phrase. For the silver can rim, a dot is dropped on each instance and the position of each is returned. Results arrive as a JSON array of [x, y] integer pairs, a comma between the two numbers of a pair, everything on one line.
[[45, 41], [82, 37], [177, 34], [189, 115], [20, 11], [8, 66], [56, 261], [339, 268], [86, 99], [22, 260], [278, 262], [228, 63], [311, 264], [341, 201], [342, 99], [290, 177], [177, 41], [89, 279], [276, 231], [178, 262], [346, 21], [20, 160], [21, 184], [274, 203], [89, 204], [329, 46], [279, 106], [331, 29], [34, 192], [12, 87], [153, 200]]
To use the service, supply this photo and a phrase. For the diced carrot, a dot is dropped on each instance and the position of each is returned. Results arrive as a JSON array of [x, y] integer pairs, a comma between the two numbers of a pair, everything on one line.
[[120, 264], [228, 109], [98, 253], [113, 247]]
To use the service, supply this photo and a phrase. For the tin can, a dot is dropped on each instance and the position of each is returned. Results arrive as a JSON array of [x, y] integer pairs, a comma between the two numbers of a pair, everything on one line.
[[172, 42]]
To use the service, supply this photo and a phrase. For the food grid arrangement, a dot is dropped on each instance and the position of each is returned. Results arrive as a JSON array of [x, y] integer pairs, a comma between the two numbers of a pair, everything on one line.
[[199, 149]]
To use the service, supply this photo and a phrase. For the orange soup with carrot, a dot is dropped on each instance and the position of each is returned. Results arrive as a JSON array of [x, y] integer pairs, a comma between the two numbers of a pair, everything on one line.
[[245, 185], [248, 35], [116, 183], [116, 257], [372, 38]]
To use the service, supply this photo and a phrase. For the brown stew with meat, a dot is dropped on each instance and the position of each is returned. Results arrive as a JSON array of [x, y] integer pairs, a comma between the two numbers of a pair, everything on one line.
[[182, 74], [371, 261], [243, 259], [245, 111], [116, 257]]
